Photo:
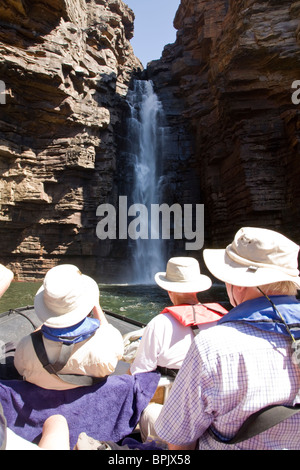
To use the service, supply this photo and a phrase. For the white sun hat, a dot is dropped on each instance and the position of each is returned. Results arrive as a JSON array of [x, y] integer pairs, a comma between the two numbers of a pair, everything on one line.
[[66, 297], [6, 277], [256, 257], [183, 276]]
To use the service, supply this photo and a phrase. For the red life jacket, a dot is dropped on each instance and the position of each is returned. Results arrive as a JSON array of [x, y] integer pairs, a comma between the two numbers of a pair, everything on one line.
[[189, 315]]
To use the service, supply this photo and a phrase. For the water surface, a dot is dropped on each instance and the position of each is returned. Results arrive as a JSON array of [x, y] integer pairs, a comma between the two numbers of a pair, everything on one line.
[[140, 302]]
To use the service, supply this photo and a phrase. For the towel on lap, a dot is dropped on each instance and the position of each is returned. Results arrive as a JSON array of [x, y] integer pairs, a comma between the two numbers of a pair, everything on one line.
[[106, 411]]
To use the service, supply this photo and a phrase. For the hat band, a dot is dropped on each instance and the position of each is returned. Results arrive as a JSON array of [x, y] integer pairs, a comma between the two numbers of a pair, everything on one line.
[[184, 281], [245, 262]]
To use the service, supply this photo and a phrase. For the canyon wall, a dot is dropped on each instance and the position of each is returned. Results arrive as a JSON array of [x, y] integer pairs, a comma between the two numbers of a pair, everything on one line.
[[232, 130], [230, 74], [66, 65]]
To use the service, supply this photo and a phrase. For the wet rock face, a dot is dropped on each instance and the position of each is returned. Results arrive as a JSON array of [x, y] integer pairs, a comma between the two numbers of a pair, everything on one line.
[[66, 65], [231, 69]]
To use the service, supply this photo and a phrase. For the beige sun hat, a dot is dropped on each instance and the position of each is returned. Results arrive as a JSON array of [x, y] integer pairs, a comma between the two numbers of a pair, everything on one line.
[[66, 297], [256, 257], [183, 275], [6, 276]]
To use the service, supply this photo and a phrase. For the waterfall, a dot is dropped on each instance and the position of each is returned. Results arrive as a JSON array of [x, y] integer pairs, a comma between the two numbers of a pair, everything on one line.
[[145, 137]]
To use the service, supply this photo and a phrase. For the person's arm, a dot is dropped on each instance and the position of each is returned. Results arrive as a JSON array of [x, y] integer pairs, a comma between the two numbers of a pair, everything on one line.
[[99, 314], [191, 446], [148, 350], [55, 435]]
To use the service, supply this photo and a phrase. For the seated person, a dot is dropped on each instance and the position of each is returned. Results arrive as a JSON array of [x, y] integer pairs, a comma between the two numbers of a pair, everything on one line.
[[247, 362], [63, 304], [55, 436], [166, 338]]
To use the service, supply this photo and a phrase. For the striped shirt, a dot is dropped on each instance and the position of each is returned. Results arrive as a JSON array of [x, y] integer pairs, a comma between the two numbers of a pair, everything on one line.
[[231, 371]]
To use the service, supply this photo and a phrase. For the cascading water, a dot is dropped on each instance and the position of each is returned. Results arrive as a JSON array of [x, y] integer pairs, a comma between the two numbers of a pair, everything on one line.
[[145, 137]]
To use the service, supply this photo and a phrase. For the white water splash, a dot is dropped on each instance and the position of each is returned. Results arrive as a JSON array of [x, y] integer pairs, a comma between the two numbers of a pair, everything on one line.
[[146, 145]]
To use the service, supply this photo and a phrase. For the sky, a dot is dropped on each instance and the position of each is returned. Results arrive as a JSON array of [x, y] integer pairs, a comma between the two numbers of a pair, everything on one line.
[[153, 27]]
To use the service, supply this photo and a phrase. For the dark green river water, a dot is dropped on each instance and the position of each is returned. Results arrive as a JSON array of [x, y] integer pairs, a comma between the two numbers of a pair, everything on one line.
[[140, 302]]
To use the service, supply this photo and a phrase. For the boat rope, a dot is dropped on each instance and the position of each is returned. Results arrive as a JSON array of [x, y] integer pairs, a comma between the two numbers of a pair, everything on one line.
[[12, 310]]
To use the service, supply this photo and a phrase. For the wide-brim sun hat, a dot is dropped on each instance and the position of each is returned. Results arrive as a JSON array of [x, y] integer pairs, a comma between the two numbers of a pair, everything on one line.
[[66, 297], [256, 257], [183, 276], [6, 276]]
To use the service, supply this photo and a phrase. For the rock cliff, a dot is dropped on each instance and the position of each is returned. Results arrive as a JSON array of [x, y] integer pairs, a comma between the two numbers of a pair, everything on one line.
[[227, 81], [232, 133], [66, 66]]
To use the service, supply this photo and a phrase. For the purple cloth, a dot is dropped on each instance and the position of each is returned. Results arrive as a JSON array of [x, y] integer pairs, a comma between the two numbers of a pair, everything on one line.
[[106, 411]]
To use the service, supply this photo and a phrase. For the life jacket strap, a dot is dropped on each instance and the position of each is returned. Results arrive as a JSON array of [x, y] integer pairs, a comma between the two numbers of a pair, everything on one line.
[[54, 368]]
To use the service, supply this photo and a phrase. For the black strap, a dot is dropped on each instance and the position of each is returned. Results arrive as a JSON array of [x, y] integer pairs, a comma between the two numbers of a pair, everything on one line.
[[8, 347], [54, 368], [166, 371], [8, 369], [259, 422], [216, 310]]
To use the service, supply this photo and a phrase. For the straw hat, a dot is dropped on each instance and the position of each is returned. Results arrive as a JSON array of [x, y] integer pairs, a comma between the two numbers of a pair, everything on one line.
[[183, 276], [255, 257], [66, 297]]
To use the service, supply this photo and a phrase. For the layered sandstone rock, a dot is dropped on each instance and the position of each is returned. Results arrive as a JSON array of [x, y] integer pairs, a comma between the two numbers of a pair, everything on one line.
[[229, 75], [66, 65], [232, 133]]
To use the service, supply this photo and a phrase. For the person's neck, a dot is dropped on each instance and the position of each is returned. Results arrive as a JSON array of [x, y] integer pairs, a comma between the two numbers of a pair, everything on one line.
[[192, 299], [251, 293]]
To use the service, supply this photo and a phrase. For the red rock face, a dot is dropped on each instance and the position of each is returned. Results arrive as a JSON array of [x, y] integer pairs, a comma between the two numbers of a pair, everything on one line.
[[233, 65], [226, 87], [66, 66]]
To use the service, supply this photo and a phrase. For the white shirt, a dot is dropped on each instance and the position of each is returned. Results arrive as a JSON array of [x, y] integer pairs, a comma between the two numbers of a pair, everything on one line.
[[165, 343]]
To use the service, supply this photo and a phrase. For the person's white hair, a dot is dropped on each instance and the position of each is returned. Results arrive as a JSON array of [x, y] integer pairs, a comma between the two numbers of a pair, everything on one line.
[[280, 288]]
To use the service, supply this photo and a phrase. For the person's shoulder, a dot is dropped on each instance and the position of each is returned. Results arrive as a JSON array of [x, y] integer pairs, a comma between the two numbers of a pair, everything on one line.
[[218, 335], [107, 330], [164, 319], [160, 323], [159, 318], [232, 338], [25, 342]]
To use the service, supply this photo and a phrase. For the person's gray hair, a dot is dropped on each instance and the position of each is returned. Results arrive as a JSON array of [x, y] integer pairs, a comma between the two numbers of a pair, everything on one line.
[[280, 288]]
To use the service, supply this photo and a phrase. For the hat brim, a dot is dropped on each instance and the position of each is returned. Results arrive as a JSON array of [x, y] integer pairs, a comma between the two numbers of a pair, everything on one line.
[[83, 308], [229, 271], [6, 277], [202, 283]]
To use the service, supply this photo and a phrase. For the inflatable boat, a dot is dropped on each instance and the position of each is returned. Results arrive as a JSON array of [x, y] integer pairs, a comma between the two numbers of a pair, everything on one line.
[[105, 411]]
